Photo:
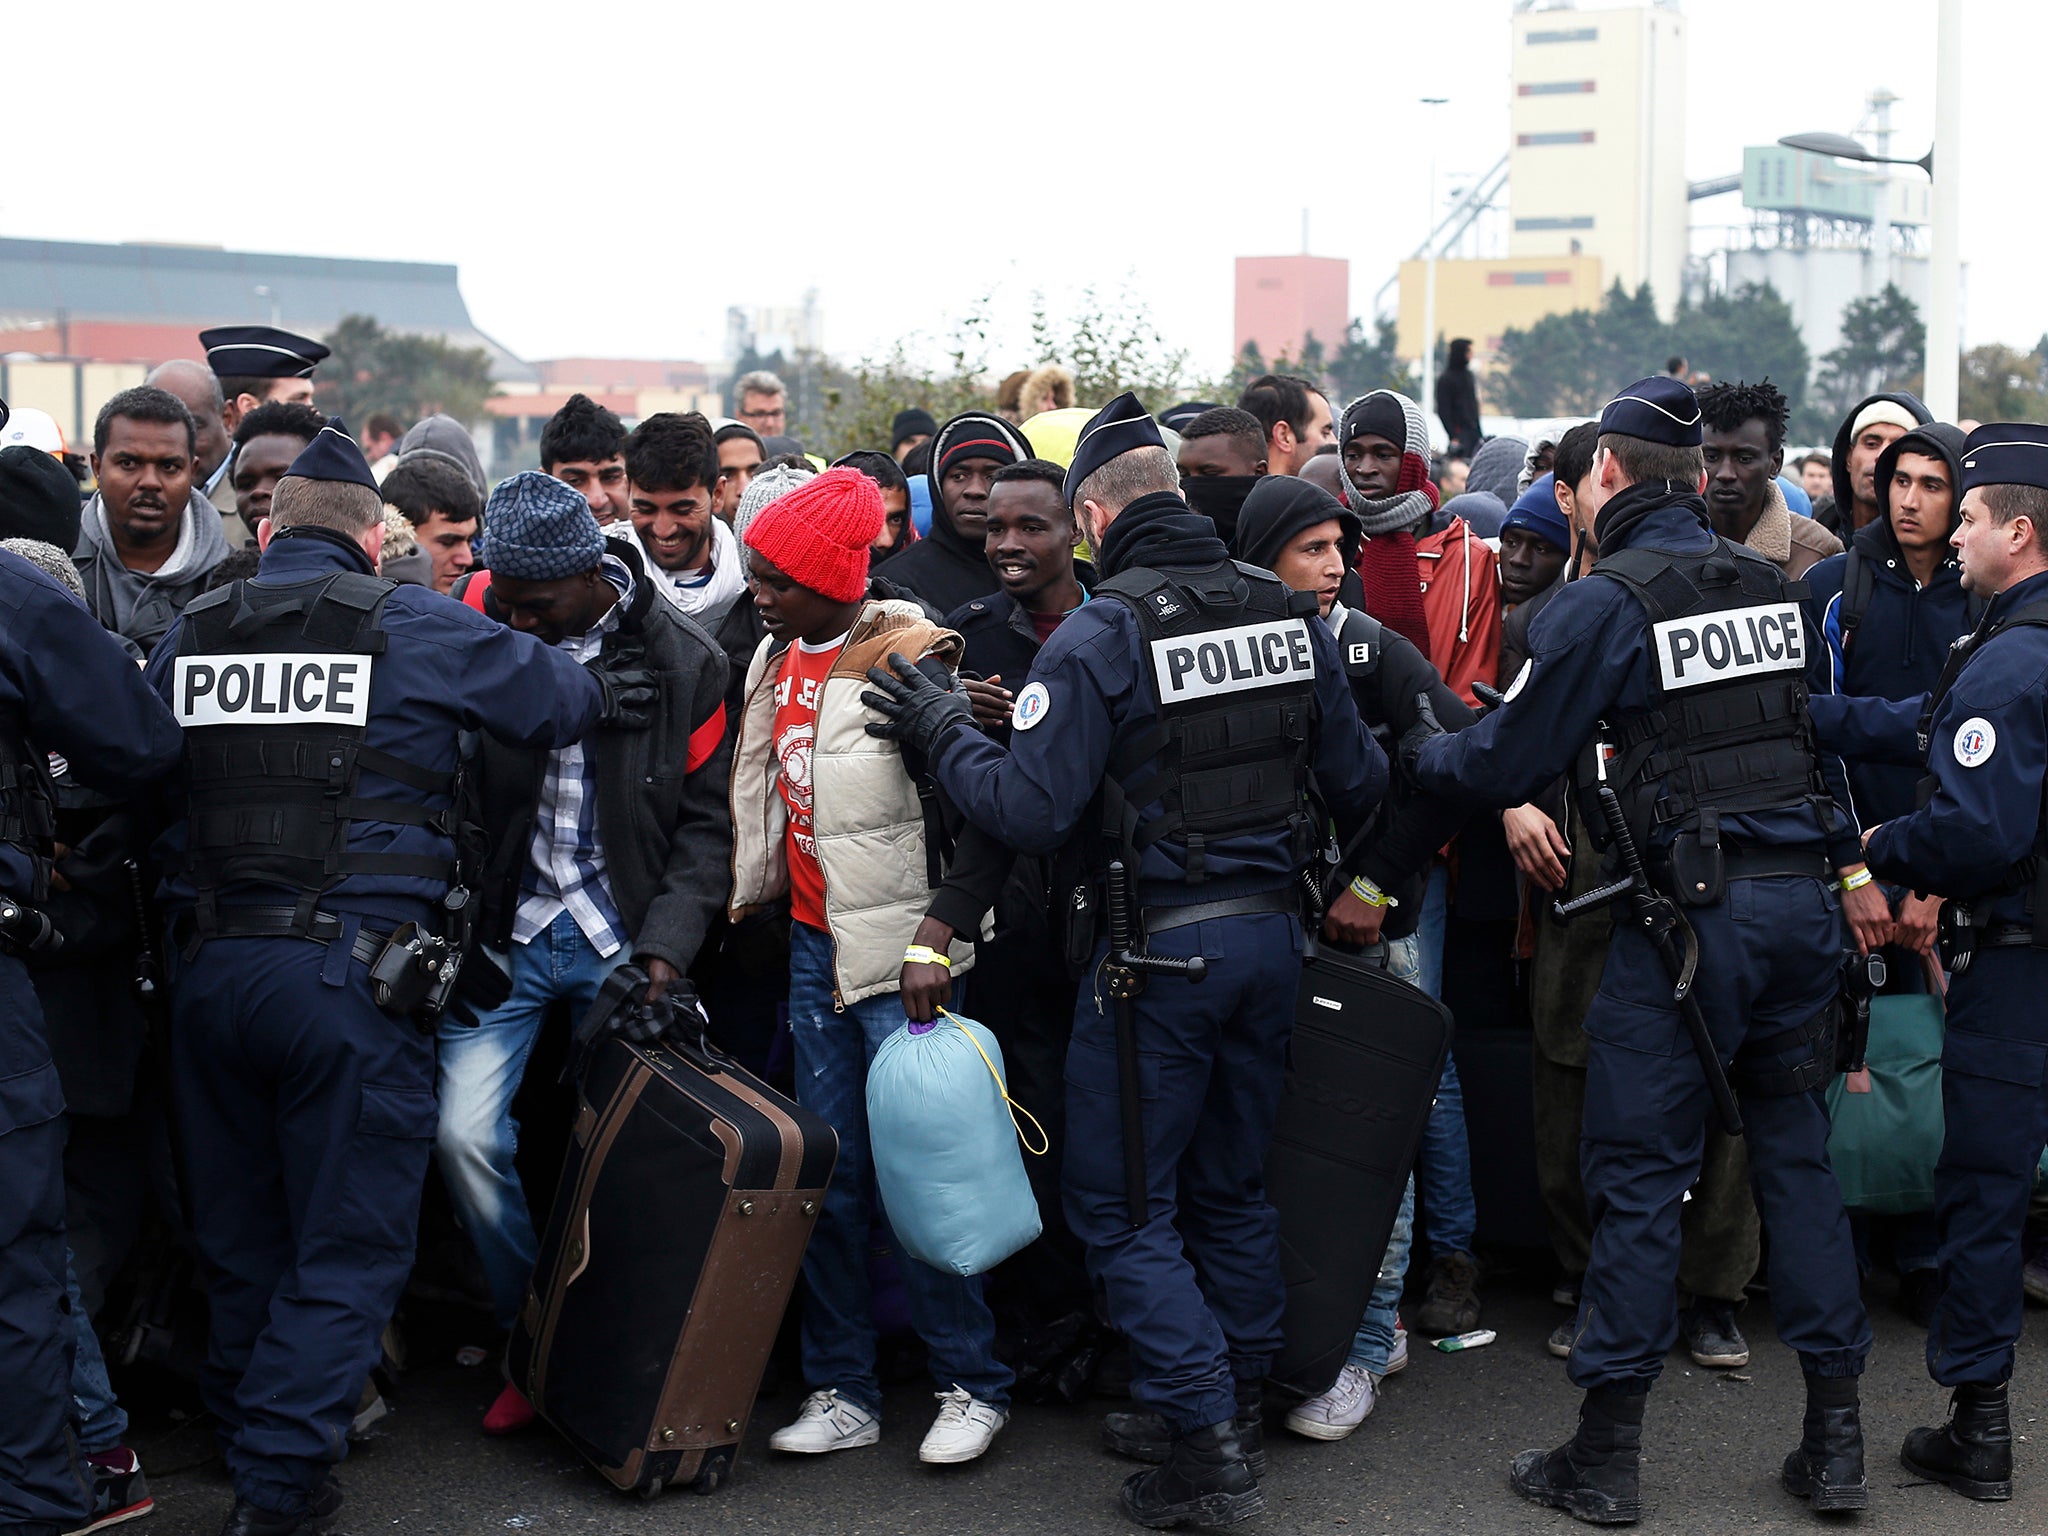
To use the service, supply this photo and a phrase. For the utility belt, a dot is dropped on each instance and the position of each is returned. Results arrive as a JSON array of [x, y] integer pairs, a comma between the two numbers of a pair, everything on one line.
[[412, 971], [1087, 903], [1694, 871], [1960, 940]]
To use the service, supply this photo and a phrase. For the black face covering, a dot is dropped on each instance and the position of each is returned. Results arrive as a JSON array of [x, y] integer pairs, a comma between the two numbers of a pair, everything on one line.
[[1220, 498]]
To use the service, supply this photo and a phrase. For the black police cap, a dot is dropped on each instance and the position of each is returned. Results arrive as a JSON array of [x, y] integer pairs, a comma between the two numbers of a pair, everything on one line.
[[333, 455], [1657, 410], [1116, 429], [260, 352], [2006, 453]]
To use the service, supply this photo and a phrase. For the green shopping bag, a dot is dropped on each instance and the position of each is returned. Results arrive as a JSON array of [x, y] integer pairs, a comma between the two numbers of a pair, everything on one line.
[[1885, 1142]]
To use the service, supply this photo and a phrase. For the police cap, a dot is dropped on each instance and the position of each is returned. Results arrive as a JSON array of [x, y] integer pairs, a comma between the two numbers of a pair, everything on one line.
[[260, 352], [333, 455], [1657, 410], [2006, 453], [1177, 417], [1116, 429]]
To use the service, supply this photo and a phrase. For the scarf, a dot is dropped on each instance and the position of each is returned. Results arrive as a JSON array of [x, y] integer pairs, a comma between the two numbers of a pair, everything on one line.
[[1630, 505], [706, 596], [1159, 530], [1387, 568]]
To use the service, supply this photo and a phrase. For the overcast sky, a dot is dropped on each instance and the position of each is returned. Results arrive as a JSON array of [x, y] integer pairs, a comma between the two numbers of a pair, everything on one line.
[[610, 176]]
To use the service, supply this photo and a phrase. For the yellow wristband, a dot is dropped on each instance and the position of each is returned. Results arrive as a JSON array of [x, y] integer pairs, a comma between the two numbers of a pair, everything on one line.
[[1371, 894], [1855, 882], [924, 954]]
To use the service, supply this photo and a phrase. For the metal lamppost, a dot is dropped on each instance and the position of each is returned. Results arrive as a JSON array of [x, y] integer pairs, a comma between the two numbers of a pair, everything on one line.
[[1942, 164]]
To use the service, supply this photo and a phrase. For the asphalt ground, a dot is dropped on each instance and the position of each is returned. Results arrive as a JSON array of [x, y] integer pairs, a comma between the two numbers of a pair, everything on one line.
[[1432, 1458]]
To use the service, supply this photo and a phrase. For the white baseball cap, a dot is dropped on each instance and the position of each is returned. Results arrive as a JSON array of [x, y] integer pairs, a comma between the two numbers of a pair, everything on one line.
[[27, 427]]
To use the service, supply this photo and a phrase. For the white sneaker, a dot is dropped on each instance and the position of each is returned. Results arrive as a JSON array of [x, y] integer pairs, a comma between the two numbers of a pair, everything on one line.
[[1338, 1411], [827, 1422], [1398, 1360], [963, 1429]]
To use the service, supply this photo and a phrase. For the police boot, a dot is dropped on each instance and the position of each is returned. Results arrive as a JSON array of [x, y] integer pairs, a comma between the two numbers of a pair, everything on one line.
[[1592, 1475], [1145, 1436], [322, 1505], [1972, 1452], [1205, 1481], [1827, 1469]]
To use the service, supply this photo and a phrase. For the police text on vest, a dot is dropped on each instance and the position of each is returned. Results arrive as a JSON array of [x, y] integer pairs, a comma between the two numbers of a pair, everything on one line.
[[272, 689], [1232, 660], [1736, 642]]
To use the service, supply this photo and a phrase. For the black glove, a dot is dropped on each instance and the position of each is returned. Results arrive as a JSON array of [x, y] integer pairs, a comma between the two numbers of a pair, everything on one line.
[[1426, 729], [480, 986], [919, 711], [1490, 698], [630, 696]]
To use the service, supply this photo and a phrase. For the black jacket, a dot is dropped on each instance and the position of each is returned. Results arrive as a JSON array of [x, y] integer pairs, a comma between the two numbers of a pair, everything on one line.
[[943, 568], [662, 816], [1457, 406], [1403, 836]]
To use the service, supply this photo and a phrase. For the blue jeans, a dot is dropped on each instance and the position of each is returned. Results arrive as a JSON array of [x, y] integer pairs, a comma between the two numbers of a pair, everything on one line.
[[1373, 1343], [833, 1047], [100, 1422], [1445, 1166], [479, 1074]]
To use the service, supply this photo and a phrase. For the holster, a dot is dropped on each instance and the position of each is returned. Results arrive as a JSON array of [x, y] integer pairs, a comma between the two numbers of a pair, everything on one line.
[[1699, 868]]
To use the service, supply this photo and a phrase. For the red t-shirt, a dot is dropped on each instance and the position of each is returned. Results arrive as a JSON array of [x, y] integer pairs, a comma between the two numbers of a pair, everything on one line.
[[797, 687], [1045, 624]]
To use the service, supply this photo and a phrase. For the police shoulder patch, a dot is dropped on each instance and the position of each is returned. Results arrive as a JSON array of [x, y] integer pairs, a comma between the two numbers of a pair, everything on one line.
[[1976, 740], [1521, 681], [1032, 706]]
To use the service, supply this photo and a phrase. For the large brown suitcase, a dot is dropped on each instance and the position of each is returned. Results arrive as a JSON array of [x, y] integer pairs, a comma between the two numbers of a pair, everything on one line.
[[687, 1197]]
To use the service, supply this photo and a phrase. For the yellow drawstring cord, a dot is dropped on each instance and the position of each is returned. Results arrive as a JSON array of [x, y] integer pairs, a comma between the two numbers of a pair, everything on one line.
[[1016, 1109]]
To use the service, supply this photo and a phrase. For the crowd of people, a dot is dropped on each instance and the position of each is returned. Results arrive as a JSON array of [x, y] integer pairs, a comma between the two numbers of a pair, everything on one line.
[[688, 696]]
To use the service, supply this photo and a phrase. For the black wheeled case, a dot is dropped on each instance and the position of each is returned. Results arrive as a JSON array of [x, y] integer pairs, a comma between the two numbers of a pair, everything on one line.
[[1361, 1074], [688, 1194]]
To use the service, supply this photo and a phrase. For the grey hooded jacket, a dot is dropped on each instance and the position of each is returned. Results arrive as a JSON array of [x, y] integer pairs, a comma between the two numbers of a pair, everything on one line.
[[143, 605]]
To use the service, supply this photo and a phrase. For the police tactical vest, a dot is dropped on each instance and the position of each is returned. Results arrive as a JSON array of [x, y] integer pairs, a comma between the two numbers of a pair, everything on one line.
[[272, 685], [1232, 665], [28, 810], [1726, 732]]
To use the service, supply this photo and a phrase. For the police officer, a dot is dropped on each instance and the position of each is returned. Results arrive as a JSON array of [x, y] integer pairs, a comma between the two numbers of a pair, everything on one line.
[[1979, 839], [66, 686], [1178, 718], [322, 707], [1673, 674]]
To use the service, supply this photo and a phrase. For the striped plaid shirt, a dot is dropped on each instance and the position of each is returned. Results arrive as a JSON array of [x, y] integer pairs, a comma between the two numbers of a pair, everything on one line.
[[565, 868]]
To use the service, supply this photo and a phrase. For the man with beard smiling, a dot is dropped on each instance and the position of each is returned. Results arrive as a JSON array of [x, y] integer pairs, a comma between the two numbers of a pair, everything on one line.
[[673, 474], [1745, 448], [950, 566], [148, 536]]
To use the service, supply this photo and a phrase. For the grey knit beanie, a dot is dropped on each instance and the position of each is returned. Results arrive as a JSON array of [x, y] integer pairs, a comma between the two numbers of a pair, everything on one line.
[[769, 485]]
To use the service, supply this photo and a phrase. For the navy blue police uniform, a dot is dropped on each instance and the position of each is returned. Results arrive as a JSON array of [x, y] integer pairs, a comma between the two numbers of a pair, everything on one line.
[[1979, 838], [1216, 825], [1692, 679], [322, 708], [66, 686]]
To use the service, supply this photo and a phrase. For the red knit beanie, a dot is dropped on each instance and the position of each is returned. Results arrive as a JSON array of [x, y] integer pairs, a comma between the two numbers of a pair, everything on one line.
[[818, 535]]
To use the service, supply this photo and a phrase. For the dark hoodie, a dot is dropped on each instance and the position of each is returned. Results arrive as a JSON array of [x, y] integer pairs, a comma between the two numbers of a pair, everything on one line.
[[1897, 647], [1840, 518], [946, 568]]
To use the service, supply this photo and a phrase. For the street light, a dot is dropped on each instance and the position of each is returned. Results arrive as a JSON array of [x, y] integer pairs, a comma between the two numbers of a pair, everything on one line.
[[1429, 269], [1945, 261]]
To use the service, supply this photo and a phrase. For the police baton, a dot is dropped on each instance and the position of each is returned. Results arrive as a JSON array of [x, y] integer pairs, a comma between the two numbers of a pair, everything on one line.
[[1662, 924], [1125, 969]]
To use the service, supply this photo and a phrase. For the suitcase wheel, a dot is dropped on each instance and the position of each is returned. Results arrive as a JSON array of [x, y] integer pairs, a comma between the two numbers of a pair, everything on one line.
[[651, 1490], [717, 1469]]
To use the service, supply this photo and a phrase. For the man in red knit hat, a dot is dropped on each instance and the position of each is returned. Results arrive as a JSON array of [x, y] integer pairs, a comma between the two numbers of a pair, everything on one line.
[[836, 827]]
